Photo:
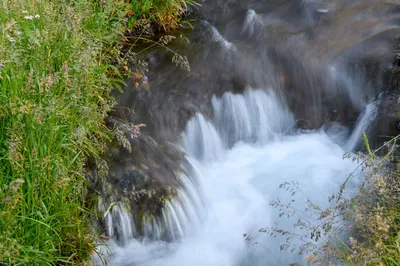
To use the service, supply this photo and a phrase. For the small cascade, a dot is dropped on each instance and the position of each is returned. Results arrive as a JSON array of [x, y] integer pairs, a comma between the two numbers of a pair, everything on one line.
[[152, 228], [202, 140], [269, 115], [255, 115], [251, 22], [217, 37], [352, 85], [179, 217], [182, 215], [362, 125], [119, 224], [232, 117]]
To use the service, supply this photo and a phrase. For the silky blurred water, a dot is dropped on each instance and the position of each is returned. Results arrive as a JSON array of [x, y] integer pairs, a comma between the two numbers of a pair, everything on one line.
[[290, 87], [236, 184]]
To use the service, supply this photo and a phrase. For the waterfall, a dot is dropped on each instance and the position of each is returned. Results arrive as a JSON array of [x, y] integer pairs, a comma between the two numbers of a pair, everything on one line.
[[255, 115], [202, 140], [119, 224], [251, 22], [217, 37], [362, 125], [257, 67], [227, 190]]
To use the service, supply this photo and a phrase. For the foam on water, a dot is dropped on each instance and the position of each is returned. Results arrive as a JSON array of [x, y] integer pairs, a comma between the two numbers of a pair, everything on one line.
[[227, 194], [237, 191]]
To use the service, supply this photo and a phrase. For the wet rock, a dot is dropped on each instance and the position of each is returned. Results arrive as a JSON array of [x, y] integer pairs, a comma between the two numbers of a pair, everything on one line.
[[387, 124], [391, 76], [142, 180]]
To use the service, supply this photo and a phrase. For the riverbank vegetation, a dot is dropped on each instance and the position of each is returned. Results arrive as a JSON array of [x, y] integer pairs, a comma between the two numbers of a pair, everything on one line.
[[363, 229], [374, 212], [367, 225], [167, 15], [57, 71]]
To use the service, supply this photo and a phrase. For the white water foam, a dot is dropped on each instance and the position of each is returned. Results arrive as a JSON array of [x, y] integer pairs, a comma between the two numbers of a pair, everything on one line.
[[229, 196], [237, 191]]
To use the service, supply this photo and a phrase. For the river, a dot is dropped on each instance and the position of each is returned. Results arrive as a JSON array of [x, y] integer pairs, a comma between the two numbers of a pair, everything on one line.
[[279, 92]]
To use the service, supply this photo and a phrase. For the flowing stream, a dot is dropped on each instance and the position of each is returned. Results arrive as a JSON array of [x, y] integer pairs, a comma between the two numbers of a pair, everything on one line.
[[233, 186], [277, 128]]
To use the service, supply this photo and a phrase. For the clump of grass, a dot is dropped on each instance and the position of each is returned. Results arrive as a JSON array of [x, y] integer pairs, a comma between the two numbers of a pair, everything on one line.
[[167, 14], [54, 95], [375, 211]]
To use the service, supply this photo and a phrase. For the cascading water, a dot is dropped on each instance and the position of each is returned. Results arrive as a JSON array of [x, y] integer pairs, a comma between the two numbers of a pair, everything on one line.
[[254, 115], [362, 125], [202, 140], [296, 129], [234, 185]]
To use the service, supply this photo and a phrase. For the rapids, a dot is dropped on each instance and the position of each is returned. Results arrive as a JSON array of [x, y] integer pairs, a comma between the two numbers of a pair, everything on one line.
[[291, 89], [237, 170]]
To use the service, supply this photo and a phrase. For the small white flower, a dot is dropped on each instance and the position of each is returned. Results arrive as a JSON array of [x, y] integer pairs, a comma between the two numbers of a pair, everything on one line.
[[11, 39], [24, 12], [32, 17]]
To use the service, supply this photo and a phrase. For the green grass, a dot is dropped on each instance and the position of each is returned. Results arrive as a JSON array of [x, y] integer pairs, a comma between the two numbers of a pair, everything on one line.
[[374, 212], [56, 80], [54, 96], [166, 13]]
